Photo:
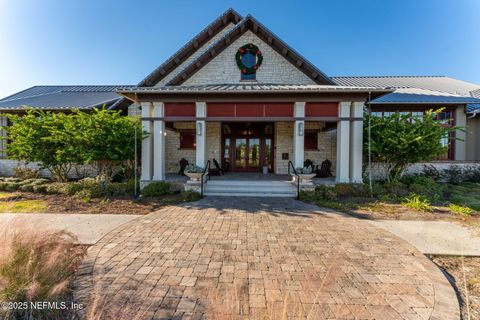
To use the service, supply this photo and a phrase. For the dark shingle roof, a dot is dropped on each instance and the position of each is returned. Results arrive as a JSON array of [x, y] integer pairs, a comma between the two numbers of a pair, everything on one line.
[[62, 97], [421, 96]]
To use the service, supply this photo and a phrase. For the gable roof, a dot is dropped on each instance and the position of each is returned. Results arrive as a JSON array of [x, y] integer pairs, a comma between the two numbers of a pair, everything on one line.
[[422, 96], [229, 16], [62, 97], [251, 24]]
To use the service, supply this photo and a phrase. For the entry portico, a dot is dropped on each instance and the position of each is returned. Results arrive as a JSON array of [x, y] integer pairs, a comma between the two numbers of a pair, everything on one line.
[[249, 126]]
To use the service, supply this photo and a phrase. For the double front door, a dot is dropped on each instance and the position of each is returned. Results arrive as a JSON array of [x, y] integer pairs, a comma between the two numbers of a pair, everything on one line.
[[248, 149]]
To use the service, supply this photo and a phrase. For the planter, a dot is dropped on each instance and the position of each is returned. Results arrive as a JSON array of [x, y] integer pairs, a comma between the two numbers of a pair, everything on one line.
[[306, 177], [194, 176], [265, 170]]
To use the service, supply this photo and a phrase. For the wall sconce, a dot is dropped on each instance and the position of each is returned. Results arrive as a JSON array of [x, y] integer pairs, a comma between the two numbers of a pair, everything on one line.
[[300, 128], [199, 128]]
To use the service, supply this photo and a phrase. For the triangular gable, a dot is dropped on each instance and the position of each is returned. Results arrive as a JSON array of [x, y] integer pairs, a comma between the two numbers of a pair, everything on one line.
[[213, 29], [260, 31]]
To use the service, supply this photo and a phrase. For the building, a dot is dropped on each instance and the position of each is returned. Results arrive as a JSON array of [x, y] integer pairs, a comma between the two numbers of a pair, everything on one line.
[[238, 94]]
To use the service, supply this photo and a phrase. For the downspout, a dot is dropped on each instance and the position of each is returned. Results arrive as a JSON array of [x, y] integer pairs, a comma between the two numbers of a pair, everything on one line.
[[135, 165]]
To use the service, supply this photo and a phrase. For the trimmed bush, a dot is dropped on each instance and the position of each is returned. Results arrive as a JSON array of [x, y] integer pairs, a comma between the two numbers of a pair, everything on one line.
[[425, 186], [25, 173], [155, 189], [121, 188], [352, 190], [190, 195], [12, 186], [40, 188], [325, 192], [26, 188]]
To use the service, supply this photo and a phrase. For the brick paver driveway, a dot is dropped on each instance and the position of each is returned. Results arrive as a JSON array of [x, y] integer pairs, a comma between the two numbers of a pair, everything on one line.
[[258, 258]]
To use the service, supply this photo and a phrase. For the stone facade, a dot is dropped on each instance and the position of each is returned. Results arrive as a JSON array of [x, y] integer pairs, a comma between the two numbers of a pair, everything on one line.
[[7, 169], [173, 153], [283, 144], [326, 145], [194, 56], [214, 136], [3, 135], [223, 68]]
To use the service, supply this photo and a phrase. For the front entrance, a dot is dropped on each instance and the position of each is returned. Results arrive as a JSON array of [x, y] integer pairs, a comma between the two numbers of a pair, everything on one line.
[[247, 147]]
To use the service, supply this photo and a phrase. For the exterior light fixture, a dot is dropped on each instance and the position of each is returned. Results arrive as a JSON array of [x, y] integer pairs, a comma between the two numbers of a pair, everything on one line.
[[300, 128], [199, 129]]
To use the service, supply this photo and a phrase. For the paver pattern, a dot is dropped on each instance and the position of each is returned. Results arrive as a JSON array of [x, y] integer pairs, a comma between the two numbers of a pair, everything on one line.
[[256, 258]]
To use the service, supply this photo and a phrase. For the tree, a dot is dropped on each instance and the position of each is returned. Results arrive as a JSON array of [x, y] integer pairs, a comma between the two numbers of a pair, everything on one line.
[[401, 139], [33, 139], [102, 138]]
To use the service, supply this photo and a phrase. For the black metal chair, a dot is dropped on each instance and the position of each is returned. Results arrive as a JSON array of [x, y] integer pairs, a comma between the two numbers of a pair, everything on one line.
[[325, 169], [183, 165]]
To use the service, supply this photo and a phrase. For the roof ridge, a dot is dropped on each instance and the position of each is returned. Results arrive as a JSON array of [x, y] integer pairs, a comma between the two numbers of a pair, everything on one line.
[[241, 25], [186, 45]]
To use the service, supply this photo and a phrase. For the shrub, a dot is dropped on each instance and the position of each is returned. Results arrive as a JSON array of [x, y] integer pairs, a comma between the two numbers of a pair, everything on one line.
[[40, 188], [25, 173], [121, 188], [26, 188], [453, 174], [37, 267], [12, 186], [155, 189], [417, 202], [396, 189], [471, 174], [88, 187], [353, 190], [3, 186], [190, 195], [326, 192], [57, 188], [462, 210], [432, 172], [425, 186]]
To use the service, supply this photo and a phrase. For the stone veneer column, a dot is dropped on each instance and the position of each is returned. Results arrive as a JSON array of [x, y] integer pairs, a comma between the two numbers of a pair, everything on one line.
[[147, 125], [298, 134], [158, 142], [356, 142], [201, 133], [342, 174], [461, 121]]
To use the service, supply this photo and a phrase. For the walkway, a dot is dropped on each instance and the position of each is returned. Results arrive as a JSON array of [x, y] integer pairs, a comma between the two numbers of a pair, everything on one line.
[[255, 257], [88, 228], [435, 237]]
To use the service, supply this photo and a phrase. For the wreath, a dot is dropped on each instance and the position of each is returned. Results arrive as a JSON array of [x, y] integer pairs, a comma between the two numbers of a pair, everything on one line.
[[249, 48]]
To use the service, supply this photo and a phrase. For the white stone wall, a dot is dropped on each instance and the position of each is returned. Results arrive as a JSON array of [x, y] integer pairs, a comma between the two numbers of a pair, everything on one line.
[[214, 137], [7, 167], [473, 139], [173, 153], [223, 68], [283, 144], [326, 145], [194, 56]]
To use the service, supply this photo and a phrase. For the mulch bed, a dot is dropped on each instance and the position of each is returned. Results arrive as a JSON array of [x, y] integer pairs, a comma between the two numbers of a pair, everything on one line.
[[112, 205], [456, 272]]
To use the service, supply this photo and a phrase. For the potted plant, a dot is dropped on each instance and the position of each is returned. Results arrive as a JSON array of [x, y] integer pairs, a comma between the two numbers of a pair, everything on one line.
[[194, 172]]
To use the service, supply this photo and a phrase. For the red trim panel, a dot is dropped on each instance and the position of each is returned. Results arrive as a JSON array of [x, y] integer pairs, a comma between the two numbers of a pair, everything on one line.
[[321, 109], [180, 109], [250, 110]]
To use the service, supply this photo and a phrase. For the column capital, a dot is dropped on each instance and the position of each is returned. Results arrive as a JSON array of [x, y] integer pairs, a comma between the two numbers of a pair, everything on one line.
[[201, 109], [344, 109]]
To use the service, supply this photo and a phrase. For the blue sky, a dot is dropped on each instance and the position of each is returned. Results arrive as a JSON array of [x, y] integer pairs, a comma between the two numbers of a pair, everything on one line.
[[120, 42]]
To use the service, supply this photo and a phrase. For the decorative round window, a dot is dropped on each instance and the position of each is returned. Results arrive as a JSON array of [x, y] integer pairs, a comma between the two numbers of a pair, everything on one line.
[[249, 58]]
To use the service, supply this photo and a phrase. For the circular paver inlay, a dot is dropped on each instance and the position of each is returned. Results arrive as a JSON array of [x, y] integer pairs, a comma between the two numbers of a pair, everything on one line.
[[255, 258]]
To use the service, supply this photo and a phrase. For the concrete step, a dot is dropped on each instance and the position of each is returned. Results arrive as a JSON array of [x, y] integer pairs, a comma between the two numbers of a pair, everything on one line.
[[247, 188]]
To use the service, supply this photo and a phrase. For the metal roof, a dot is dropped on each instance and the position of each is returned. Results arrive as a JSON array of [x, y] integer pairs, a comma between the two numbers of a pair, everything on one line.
[[433, 83], [420, 96], [246, 88], [61, 97]]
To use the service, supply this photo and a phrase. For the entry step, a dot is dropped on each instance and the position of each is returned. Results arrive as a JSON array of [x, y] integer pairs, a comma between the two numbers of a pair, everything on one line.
[[250, 188]]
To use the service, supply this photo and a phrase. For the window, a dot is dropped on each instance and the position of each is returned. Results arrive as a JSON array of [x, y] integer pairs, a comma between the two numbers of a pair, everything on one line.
[[311, 140], [187, 140], [248, 59]]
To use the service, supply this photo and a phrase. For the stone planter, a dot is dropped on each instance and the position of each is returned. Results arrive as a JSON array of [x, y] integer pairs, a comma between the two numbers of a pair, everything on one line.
[[306, 183], [194, 176]]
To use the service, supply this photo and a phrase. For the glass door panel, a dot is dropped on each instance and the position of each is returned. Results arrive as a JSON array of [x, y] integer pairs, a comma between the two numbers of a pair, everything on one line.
[[241, 153], [254, 153]]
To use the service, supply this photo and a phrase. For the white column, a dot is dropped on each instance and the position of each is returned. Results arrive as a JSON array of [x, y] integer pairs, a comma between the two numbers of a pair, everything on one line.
[[158, 142], [460, 121], [343, 143], [147, 142], [298, 134], [356, 142], [201, 133]]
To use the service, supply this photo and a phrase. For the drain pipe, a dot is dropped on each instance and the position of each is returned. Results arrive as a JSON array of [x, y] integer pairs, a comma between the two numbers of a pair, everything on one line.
[[369, 110]]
